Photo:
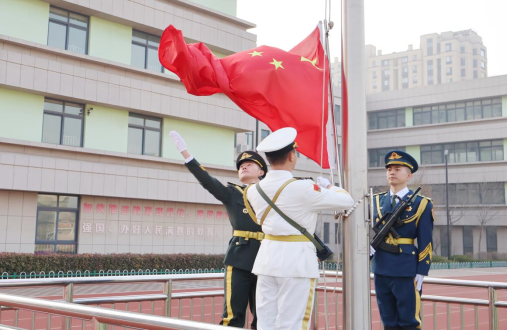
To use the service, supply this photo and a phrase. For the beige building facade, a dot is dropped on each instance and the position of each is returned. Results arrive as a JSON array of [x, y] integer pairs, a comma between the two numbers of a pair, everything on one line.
[[442, 58]]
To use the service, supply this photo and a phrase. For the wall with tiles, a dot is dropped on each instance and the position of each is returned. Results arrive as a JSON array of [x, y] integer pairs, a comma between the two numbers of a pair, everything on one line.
[[17, 221], [144, 226], [21, 115], [25, 19], [228, 7], [110, 41]]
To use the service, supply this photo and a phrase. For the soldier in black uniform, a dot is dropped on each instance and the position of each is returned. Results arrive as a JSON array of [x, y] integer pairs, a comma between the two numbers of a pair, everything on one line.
[[239, 282]]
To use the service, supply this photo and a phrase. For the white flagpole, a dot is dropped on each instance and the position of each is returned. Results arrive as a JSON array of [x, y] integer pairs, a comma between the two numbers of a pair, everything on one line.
[[356, 262]]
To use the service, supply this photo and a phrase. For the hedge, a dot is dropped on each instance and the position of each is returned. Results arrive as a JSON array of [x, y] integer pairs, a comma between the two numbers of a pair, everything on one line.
[[20, 262]]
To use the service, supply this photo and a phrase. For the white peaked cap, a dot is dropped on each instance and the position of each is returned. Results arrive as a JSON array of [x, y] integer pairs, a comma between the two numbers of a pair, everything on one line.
[[279, 142]]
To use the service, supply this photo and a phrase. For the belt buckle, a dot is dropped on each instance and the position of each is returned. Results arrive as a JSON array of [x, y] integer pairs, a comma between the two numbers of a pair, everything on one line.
[[260, 236], [247, 235]]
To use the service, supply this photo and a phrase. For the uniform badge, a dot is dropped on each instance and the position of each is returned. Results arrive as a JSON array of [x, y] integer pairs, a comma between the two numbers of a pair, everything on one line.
[[394, 156], [316, 187], [409, 208], [245, 156], [245, 211]]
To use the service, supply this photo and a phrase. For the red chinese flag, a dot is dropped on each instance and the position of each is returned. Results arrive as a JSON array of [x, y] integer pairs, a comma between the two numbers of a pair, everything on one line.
[[281, 89]]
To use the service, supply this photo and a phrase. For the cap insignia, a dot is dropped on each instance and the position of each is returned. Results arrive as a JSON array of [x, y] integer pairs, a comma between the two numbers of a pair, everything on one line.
[[245, 156], [394, 156]]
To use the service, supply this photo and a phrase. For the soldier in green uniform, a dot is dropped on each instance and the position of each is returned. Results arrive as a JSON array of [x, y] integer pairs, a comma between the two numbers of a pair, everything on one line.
[[239, 283]]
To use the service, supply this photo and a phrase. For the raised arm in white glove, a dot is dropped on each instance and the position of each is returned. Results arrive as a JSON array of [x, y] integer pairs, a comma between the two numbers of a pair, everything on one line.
[[323, 182], [419, 281], [372, 250], [181, 146]]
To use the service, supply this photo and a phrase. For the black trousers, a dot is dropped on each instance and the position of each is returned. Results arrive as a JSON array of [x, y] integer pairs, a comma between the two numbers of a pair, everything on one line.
[[239, 291]]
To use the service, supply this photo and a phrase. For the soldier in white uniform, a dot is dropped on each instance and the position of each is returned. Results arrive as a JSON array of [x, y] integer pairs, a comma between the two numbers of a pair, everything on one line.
[[287, 264]]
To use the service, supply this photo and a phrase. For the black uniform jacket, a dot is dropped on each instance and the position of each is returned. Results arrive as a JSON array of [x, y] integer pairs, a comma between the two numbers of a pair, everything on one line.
[[241, 253]]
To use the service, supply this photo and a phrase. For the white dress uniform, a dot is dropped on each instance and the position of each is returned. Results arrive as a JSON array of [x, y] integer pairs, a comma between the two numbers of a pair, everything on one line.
[[287, 264]]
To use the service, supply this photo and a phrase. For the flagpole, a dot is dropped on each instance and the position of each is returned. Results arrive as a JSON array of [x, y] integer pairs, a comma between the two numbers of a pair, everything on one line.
[[356, 266]]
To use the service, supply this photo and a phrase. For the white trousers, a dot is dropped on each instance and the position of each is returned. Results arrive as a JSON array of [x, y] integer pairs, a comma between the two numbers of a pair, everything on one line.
[[284, 303]]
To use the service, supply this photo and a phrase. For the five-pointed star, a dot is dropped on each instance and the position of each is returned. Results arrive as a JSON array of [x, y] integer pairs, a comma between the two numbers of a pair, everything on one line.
[[313, 62], [255, 53], [277, 64]]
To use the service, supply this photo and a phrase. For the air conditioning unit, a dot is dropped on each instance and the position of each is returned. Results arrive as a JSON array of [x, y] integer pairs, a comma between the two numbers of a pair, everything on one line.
[[242, 148]]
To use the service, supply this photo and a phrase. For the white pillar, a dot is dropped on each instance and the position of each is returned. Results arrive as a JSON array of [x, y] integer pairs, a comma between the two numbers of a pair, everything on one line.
[[356, 263]]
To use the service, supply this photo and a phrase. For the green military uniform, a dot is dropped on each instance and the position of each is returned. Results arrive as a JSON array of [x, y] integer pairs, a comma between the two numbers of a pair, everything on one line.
[[239, 282]]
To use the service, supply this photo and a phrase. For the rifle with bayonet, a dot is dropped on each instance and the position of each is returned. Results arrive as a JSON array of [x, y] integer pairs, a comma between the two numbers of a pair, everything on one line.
[[388, 222]]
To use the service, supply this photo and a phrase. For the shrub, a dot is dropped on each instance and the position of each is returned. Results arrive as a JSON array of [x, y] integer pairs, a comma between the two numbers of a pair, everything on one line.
[[20, 262]]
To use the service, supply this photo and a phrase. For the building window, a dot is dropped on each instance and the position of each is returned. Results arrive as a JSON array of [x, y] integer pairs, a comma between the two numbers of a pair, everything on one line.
[[463, 72], [429, 45], [145, 51], [57, 224], [483, 52], [483, 75], [462, 49], [385, 73], [475, 73], [460, 111], [68, 30], [475, 63], [448, 71], [337, 114], [490, 193], [376, 156], [144, 135], [374, 85], [430, 80], [483, 65], [404, 82], [468, 240], [386, 119], [448, 47], [374, 74], [404, 59], [448, 80], [491, 239], [463, 61], [444, 244], [62, 123], [405, 70], [475, 51], [448, 59], [414, 57], [414, 80], [385, 63], [414, 69], [264, 134], [374, 64], [430, 66], [326, 233], [438, 48], [463, 152]]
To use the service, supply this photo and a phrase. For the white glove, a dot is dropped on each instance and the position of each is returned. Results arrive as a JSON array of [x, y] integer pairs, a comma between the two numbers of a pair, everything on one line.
[[419, 281], [323, 182], [372, 250], [178, 141]]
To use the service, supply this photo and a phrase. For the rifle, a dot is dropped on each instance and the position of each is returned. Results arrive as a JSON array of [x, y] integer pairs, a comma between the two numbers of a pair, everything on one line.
[[391, 220]]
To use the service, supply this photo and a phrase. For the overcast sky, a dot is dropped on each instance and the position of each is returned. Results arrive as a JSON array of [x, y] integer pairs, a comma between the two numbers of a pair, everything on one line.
[[391, 25]]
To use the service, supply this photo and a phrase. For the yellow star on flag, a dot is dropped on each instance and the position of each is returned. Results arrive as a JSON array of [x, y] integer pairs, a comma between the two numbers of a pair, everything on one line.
[[313, 62], [277, 64], [255, 53]]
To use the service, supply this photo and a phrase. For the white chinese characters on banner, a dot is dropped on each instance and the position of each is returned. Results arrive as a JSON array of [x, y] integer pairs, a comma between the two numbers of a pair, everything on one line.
[[100, 228]]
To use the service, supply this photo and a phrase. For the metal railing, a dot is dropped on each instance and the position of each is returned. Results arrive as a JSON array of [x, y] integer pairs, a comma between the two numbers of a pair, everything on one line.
[[106, 273], [331, 298], [101, 318], [167, 295], [142, 272], [492, 304]]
